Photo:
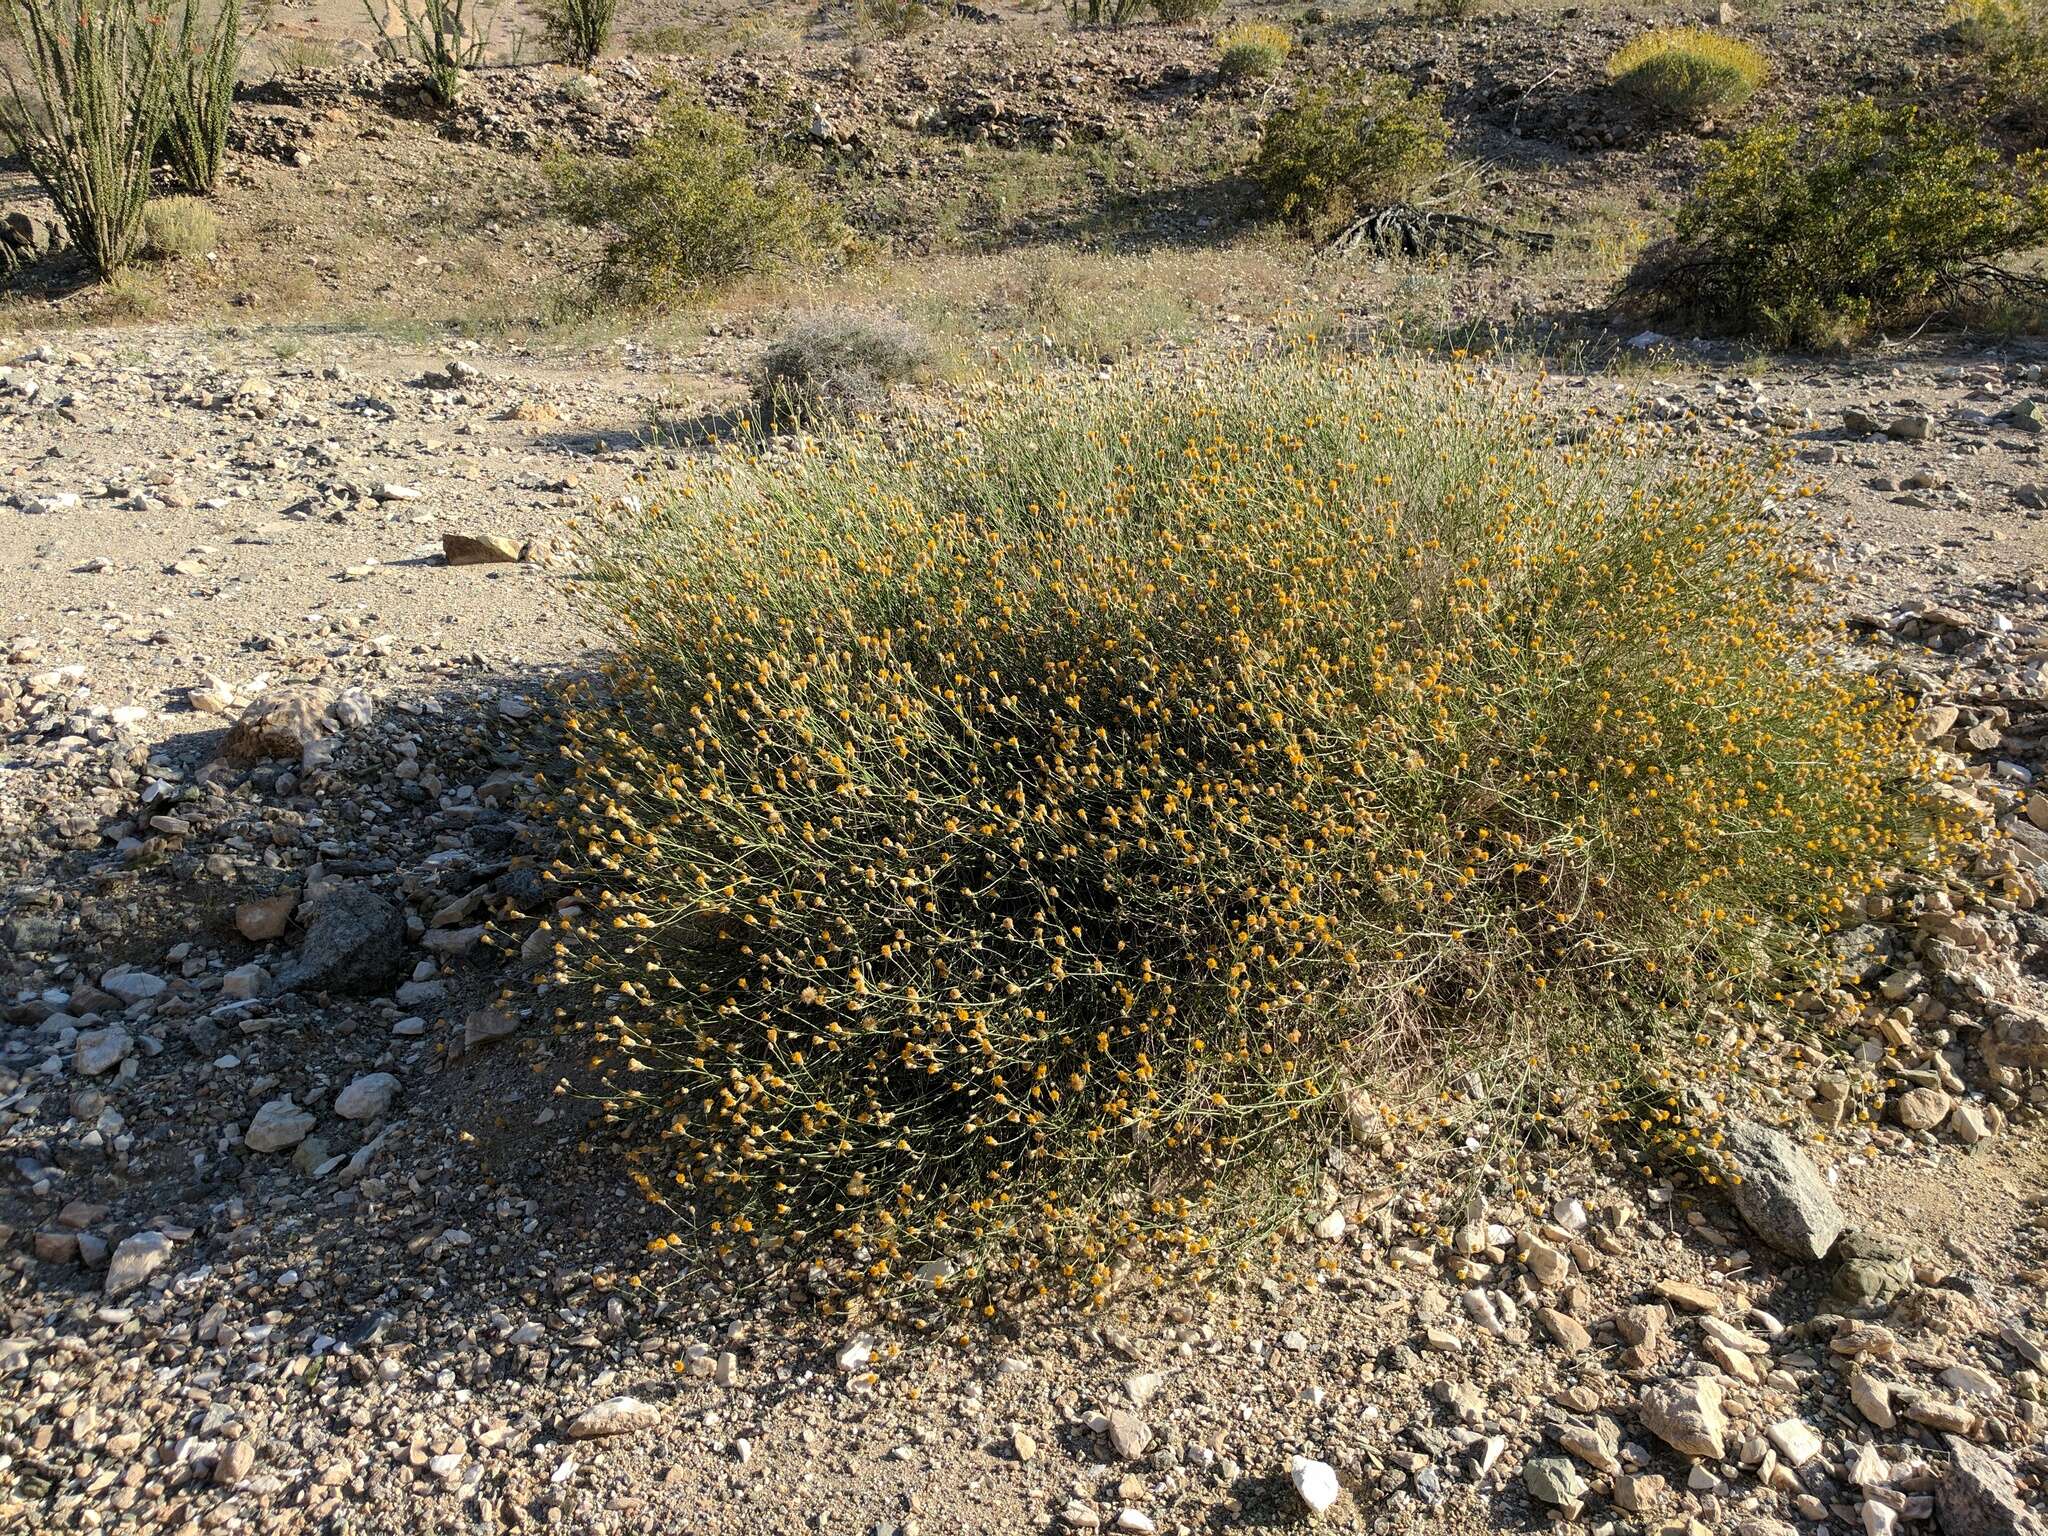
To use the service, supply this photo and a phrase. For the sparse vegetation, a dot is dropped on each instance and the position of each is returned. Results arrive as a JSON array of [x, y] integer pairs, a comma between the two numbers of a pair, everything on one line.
[[1252, 50], [1686, 74], [696, 206], [203, 92], [1177, 12], [579, 30], [88, 122], [897, 18], [836, 366], [1014, 842], [179, 229], [1871, 217], [445, 38], [1365, 142]]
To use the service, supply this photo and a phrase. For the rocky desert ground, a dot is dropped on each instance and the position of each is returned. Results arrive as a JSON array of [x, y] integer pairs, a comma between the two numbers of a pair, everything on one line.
[[308, 1222]]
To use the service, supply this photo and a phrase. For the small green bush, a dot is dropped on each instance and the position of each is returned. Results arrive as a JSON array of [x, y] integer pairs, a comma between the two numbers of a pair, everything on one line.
[[1366, 142], [1175, 12], [88, 122], [694, 208], [836, 366], [579, 29], [179, 229], [1012, 839], [1869, 217], [1253, 50], [1686, 74]]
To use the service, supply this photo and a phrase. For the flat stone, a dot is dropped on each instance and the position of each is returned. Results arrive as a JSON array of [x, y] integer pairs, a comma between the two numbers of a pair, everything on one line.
[[487, 1024], [133, 986], [135, 1260], [613, 1416], [479, 548]]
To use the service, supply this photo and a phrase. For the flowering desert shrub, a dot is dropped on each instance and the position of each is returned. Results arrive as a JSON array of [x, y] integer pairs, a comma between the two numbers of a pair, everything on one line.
[[1009, 842], [1252, 50], [1687, 73]]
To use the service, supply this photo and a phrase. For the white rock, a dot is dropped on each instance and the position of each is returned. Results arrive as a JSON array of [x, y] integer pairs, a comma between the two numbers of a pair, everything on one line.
[[135, 1261], [367, 1097], [1796, 1441], [1316, 1483], [278, 1126], [613, 1416], [100, 1050]]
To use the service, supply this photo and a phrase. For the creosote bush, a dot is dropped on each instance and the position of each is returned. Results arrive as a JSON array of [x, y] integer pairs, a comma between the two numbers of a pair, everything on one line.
[[1686, 74], [1869, 217], [697, 206], [89, 118], [1009, 843], [1366, 142], [836, 366], [1175, 12], [1252, 50]]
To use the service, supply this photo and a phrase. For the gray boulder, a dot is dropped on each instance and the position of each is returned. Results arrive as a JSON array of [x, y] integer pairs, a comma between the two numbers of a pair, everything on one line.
[[1979, 1497], [355, 943], [1779, 1192]]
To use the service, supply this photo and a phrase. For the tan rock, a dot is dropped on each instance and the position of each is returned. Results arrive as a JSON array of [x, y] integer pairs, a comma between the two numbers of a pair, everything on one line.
[[279, 726], [1687, 1416], [479, 548]]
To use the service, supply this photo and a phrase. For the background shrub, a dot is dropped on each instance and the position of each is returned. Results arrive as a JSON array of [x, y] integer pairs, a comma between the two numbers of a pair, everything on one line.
[[1366, 142], [88, 124], [1012, 838], [1177, 11], [2009, 41], [179, 228], [445, 38], [836, 366], [695, 207], [1252, 50], [1870, 217], [579, 29], [1687, 74]]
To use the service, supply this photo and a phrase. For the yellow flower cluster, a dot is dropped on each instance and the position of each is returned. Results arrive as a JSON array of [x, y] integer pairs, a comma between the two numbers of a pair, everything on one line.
[[1006, 846]]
